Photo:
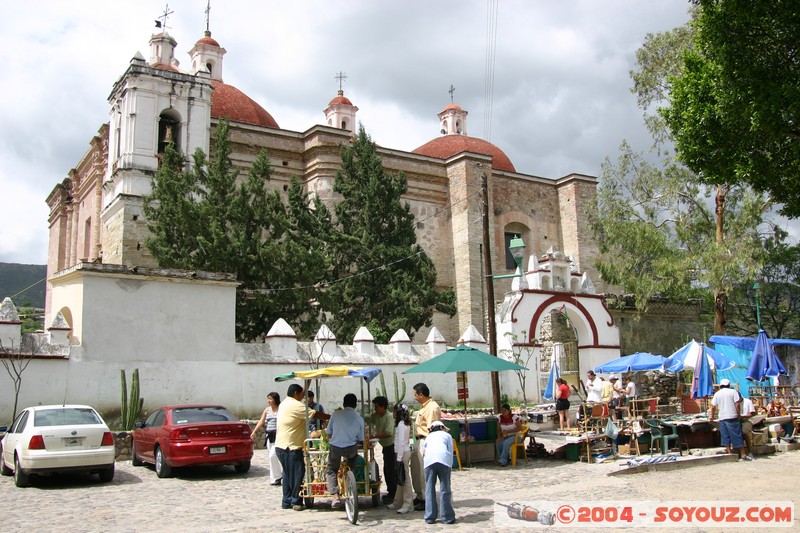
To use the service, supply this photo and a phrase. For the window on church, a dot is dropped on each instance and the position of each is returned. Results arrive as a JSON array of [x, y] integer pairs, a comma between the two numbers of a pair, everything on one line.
[[210, 67], [344, 124], [87, 238], [516, 229], [511, 264]]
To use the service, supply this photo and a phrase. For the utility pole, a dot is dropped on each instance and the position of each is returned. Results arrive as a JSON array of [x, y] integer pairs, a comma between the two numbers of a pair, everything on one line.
[[487, 259]]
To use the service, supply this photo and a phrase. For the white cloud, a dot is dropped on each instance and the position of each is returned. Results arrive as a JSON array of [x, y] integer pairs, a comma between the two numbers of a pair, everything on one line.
[[561, 93]]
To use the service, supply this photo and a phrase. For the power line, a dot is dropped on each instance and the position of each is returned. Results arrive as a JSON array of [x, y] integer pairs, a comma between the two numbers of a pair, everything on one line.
[[492, 7], [26, 288]]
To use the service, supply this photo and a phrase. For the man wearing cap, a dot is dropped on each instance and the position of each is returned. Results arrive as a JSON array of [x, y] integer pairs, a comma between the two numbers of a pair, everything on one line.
[[727, 401], [428, 413], [438, 454], [381, 424]]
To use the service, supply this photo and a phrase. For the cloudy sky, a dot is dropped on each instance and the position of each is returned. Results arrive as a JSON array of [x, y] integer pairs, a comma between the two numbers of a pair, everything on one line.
[[561, 94]]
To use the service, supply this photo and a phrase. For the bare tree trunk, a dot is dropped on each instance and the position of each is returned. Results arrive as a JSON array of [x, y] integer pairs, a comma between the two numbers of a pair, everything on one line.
[[720, 294]]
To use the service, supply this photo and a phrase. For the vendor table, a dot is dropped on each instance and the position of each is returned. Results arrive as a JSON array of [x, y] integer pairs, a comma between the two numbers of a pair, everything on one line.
[[694, 432]]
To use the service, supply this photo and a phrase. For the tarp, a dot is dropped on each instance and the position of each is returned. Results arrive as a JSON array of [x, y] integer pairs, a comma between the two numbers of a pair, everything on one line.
[[740, 350], [342, 371]]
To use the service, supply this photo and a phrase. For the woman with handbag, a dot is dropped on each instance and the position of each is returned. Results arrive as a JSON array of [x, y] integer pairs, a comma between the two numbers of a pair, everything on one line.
[[404, 495], [270, 418]]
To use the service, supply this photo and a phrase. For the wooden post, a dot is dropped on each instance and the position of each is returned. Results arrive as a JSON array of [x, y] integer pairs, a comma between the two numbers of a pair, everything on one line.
[[487, 258]]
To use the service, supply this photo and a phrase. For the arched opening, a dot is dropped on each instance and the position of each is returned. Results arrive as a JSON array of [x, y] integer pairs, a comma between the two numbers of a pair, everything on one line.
[[168, 130], [512, 230], [210, 68], [344, 124]]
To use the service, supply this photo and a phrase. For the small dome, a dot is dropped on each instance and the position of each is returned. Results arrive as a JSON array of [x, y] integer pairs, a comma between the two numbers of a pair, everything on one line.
[[208, 40], [340, 100], [450, 145], [229, 102]]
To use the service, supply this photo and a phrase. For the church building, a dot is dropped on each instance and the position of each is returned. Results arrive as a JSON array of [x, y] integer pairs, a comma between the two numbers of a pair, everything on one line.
[[96, 211]]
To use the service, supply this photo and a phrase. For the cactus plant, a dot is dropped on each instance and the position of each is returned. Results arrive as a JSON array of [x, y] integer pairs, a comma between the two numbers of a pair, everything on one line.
[[399, 392], [130, 408]]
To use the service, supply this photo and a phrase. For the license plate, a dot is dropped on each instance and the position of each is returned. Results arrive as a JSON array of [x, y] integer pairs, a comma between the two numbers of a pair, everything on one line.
[[216, 450], [72, 441]]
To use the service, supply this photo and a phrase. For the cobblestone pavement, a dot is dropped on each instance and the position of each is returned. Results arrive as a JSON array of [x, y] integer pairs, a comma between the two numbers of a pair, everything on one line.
[[219, 499]]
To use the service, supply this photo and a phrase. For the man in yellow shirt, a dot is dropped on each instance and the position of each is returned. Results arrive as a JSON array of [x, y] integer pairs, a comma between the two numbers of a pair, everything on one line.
[[428, 413], [289, 439]]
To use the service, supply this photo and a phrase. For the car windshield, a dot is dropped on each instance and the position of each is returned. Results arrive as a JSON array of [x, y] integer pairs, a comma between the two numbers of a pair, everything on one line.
[[193, 415], [65, 416]]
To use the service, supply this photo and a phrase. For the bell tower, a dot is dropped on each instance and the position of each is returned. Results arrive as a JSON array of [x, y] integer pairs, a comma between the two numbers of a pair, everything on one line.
[[153, 104]]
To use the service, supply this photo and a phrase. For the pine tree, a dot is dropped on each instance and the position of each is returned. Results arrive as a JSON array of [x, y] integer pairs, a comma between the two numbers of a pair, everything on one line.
[[204, 220], [387, 280]]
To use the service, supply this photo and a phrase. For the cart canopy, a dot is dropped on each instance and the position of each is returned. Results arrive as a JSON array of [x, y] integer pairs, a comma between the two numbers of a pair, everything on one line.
[[368, 373]]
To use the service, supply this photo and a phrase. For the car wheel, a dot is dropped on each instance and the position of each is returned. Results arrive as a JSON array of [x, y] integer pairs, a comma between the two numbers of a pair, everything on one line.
[[4, 470], [162, 468], [107, 474], [21, 479], [242, 467], [135, 461]]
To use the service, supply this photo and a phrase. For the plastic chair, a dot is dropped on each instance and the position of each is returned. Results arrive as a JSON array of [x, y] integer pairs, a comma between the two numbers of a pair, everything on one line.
[[519, 444], [657, 435]]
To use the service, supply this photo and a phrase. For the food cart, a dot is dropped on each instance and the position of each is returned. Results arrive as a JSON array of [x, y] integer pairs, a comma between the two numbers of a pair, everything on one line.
[[365, 479]]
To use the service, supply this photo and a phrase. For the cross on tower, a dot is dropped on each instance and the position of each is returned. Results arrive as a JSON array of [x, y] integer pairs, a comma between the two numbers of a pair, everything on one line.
[[341, 76], [208, 14], [451, 91], [161, 21]]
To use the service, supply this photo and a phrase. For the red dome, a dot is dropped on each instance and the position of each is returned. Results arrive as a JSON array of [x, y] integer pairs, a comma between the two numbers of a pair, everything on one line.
[[208, 40], [450, 145], [341, 100], [229, 102]]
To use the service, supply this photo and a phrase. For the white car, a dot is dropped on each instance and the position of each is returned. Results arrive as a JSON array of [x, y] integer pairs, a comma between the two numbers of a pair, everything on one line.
[[57, 438]]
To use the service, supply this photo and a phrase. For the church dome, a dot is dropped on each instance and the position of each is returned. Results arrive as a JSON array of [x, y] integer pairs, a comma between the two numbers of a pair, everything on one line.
[[341, 99], [229, 102], [208, 40], [450, 145]]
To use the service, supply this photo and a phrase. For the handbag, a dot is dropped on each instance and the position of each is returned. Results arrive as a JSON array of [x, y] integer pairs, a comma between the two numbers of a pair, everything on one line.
[[400, 473], [270, 436], [611, 430]]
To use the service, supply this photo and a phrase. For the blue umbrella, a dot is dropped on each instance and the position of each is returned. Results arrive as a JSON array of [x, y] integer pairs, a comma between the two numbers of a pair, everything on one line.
[[688, 357], [702, 381], [631, 363], [764, 362], [550, 389]]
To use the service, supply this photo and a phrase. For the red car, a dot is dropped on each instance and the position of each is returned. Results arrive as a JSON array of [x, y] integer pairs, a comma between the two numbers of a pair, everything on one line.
[[192, 435]]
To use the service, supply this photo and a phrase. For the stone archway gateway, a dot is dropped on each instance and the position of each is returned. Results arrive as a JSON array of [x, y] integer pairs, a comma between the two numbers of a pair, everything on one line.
[[554, 302]]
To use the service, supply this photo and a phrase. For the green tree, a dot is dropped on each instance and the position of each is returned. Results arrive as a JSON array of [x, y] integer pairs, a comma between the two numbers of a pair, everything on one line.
[[735, 111], [778, 293], [664, 230], [387, 281], [207, 219]]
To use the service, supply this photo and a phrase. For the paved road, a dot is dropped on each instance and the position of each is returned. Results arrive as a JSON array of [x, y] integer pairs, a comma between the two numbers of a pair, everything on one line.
[[219, 500]]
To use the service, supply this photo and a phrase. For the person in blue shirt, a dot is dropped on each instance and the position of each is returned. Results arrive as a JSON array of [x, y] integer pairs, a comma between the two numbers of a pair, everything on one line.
[[438, 458], [346, 430], [314, 424]]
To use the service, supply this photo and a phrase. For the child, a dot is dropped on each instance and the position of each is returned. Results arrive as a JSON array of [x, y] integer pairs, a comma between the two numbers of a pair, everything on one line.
[[404, 496], [438, 454]]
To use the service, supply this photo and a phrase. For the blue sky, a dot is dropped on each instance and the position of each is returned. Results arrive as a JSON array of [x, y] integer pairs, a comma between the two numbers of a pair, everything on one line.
[[561, 94]]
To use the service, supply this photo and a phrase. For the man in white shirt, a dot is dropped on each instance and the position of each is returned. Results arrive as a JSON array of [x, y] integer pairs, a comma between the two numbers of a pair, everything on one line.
[[594, 387], [747, 410], [727, 402]]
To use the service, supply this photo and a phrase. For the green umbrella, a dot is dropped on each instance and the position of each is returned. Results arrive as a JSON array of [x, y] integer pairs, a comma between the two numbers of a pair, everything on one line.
[[463, 358]]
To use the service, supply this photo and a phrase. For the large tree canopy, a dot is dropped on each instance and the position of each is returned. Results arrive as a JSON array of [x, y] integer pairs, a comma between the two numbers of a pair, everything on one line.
[[662, 229], [387, 280], [292, 260], [735, 110]]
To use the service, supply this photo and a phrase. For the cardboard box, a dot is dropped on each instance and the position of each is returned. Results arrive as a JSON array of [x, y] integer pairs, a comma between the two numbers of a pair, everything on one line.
[[759, 438]]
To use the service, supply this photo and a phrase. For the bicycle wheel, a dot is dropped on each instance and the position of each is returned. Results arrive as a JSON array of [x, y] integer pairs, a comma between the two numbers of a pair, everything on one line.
[[350, 496]]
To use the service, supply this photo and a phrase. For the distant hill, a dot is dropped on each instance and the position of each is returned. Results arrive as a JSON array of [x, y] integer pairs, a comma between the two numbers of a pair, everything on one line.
[[15, 278]]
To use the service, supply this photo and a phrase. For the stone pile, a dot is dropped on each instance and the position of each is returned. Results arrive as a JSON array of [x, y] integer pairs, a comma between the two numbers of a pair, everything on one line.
[[652, 384]]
